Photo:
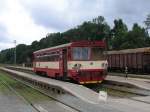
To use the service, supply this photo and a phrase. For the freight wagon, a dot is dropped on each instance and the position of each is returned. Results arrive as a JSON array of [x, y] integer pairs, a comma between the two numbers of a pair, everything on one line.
[[137, 60], [83, 62]]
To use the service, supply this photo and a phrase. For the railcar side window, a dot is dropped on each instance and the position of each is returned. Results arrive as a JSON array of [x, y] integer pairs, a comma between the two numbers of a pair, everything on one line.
[[47, 58], [81, 53]]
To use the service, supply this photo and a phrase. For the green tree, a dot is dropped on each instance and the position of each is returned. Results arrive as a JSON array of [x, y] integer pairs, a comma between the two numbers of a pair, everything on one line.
[[97, 29], [136, 38], [20, 49], [7, 56], [119, 32]]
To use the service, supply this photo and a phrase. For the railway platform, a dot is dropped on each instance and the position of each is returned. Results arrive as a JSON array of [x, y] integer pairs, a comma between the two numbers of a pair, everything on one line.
[[141, 76], [143, 99], [141, 83], [21, 68]]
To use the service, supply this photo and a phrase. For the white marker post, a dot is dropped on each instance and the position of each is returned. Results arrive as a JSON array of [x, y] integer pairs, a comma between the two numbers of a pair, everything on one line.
[[103, 96]]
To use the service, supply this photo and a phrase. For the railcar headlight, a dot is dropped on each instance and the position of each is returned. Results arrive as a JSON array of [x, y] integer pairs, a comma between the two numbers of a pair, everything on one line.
[[103, 64], [77, 67]]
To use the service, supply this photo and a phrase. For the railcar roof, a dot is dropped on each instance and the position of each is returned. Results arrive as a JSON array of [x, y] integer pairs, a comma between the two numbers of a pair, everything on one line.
[[78, 43], [55, 47], [137, 50]]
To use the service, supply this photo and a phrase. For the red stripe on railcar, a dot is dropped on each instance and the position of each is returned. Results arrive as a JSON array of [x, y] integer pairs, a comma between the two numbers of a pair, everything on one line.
[[88, 75]]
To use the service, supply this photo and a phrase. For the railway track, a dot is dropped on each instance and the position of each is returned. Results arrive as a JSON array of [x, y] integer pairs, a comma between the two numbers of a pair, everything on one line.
[[26, 97], [124, 90], [5, 84]]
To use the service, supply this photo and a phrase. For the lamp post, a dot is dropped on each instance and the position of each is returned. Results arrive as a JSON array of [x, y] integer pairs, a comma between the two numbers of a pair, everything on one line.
[[15, 57]]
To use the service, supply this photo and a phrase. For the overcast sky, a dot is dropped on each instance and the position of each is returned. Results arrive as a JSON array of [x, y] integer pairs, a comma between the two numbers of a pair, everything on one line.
[[29, 20]]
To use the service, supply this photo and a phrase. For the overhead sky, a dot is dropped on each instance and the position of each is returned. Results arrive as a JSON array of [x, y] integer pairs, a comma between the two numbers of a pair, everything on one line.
[[29, 20]]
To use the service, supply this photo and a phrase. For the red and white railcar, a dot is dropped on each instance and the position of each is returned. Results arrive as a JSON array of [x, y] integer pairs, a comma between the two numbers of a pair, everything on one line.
[[82, 61]]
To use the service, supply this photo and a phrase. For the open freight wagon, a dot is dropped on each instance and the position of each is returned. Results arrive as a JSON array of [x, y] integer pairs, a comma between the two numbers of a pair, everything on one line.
[[137, 60]]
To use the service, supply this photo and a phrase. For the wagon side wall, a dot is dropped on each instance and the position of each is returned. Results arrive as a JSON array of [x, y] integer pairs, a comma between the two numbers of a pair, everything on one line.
[[134, 61]]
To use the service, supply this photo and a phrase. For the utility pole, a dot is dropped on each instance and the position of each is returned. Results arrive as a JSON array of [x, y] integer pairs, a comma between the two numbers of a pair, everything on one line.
[[147, 22], [15, 57]]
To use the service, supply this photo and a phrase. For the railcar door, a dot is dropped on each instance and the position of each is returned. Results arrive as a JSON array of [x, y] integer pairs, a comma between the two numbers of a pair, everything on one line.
[[64, 63]]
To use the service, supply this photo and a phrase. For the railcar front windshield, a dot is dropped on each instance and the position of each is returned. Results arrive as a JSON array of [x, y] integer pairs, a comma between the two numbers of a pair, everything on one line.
[[87, 53], [97, 53], [81, 53]]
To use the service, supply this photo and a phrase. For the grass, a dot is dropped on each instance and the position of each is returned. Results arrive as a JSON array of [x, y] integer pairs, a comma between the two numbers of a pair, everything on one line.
[[25, 91]]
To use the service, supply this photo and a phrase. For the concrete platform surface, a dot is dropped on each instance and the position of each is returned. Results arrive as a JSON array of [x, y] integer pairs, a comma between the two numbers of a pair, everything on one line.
[[128, 105], [144, 76], [141, 83], [24, 68], [145, 99]]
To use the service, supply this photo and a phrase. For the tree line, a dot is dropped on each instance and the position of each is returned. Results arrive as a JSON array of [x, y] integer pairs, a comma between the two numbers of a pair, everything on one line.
[[118, 37]]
